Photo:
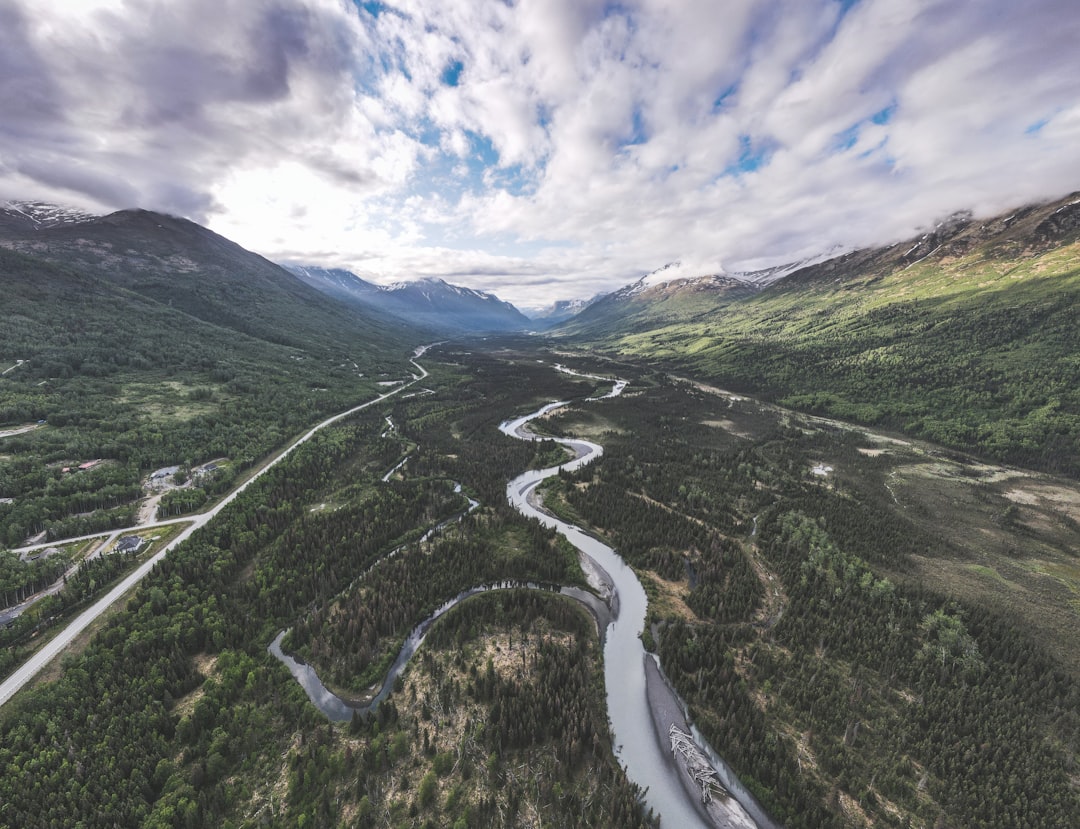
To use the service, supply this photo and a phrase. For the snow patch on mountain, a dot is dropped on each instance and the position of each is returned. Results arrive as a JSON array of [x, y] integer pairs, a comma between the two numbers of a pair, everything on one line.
[[432, 286], [43, 214], [680, 270], [766, 276], [715, 271]]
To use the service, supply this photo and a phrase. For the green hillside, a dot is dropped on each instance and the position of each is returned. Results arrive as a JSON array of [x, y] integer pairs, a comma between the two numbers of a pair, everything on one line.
[[144, 342], [968, 338], [191, 269]]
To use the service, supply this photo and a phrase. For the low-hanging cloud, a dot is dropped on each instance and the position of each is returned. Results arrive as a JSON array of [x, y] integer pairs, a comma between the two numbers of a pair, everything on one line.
[[512, 146]]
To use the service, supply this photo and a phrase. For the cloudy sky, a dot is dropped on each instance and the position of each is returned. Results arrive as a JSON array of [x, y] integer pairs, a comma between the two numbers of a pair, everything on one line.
[[543, 149]]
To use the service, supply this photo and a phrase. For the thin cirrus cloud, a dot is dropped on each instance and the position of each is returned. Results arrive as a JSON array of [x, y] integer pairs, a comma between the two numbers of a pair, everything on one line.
[[542, 148]]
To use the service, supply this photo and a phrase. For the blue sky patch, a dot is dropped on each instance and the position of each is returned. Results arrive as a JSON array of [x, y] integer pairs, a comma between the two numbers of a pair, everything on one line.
[[880, 146], [637, 135], [721, 99], [615, 8], [373, 7], [884, 116], [752, 156], [482, 153], [543, 116], [846, 139], [446, 175], [451, 75], [427, 133], [514, 179]]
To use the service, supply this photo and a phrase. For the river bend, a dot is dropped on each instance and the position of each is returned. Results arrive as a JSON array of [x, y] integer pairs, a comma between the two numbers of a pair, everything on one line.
[[635, 713], [639, 748]]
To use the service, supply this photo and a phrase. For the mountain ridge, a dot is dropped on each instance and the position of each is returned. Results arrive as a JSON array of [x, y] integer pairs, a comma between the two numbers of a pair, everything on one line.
[[188, 267], [1042, 224], [430, 302], [965, 335], [42, 214], [150, 341]]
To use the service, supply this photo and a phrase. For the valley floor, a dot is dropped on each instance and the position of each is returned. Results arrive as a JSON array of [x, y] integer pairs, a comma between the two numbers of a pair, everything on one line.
[[885, 641]]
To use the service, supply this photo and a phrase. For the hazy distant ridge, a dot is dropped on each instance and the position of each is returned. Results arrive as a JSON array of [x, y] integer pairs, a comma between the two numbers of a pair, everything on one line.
[[431, 302]]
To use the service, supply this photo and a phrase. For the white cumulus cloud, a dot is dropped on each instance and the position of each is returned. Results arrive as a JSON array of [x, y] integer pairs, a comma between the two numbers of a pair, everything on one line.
[[542, 148]]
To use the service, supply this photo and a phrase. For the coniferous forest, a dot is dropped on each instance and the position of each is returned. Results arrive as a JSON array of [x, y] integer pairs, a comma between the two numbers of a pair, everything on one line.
[[807, 618], [173, 714], [814, 649]]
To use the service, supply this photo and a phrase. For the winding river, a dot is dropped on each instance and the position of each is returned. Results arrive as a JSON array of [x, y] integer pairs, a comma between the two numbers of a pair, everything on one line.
[[640, 703], [632, 705], [340, 710]]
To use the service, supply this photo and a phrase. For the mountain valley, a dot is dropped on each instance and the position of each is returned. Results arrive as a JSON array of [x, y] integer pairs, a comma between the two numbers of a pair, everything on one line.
[[965, 336], [850, 493]]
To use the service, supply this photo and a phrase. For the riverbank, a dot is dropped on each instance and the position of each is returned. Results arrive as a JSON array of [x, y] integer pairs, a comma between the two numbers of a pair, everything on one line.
[[340, 709], [595, 576], [721, 809]]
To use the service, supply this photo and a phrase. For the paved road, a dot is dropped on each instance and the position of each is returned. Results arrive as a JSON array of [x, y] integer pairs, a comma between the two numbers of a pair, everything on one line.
[[15, 611], [14, 683]]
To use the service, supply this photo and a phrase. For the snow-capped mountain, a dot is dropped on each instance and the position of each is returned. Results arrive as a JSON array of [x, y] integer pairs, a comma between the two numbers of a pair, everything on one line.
[[639, 302], [336, 282], [430, 302], [562, 310], [440, 302], [20, 216], [677, 287], [766, 276], [674, 294], [676, 277], [679, 271]]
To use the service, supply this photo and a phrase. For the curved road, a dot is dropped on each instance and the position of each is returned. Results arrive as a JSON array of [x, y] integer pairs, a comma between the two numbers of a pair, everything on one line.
[[28, 670]]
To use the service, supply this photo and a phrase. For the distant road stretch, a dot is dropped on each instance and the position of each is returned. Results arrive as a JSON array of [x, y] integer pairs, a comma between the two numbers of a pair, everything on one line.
[[14, 683]]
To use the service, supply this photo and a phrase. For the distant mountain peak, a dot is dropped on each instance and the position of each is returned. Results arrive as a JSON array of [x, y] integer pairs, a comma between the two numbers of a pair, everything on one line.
[[437, 283], [430, 301], [716, 275], [420, 283], [676, 276]]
